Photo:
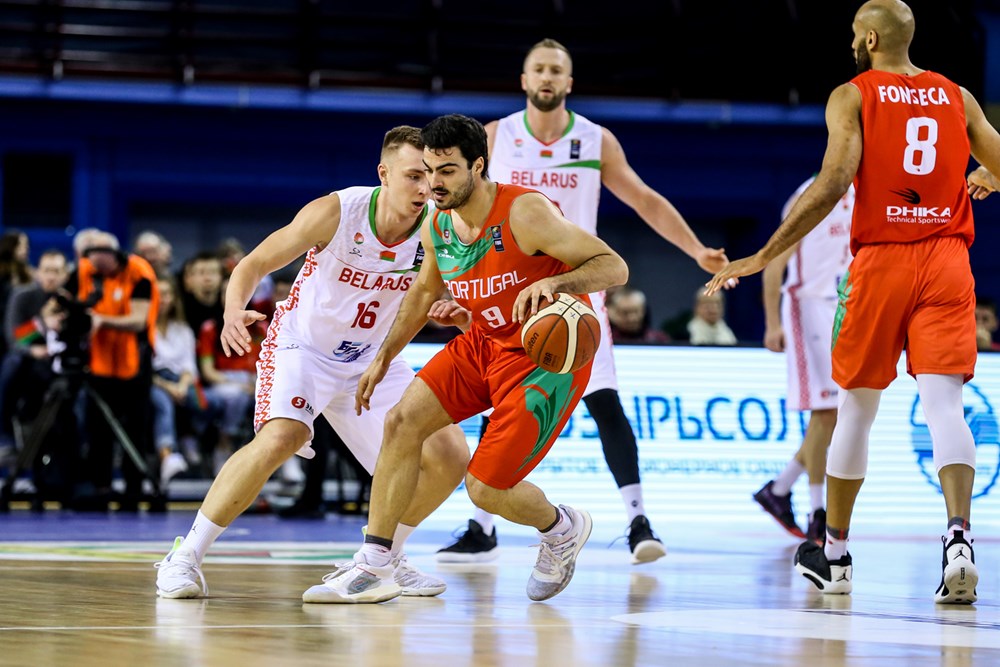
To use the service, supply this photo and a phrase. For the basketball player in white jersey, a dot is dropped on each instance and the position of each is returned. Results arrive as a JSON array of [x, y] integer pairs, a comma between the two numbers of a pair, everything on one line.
[[363, 251], [804, 330], [568, 158]]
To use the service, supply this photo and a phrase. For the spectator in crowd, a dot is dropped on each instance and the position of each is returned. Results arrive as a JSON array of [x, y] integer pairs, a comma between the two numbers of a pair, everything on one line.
[[14, 269], [27, 366], [229, 382], [177, 391], [986, 323], [630, 318], [708, 325], [201, 289], [125, 295], [155, 249]]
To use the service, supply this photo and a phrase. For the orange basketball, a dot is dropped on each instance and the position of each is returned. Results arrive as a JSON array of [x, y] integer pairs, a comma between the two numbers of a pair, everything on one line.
[[562, 336]]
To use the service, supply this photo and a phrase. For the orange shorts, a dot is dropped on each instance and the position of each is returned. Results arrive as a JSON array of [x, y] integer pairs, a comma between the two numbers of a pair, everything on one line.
[[918, 296], [530, 406]]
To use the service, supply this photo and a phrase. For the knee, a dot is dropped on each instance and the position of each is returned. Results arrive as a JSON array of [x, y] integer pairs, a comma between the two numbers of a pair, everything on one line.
[[279, 439], [481, 494], [447, 452]]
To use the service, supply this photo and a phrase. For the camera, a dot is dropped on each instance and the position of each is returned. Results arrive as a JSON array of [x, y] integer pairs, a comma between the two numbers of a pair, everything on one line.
[[74, 333]]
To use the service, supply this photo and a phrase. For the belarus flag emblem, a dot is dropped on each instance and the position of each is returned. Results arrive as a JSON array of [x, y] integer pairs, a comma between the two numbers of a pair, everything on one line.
[[387, 256], [546, 153]]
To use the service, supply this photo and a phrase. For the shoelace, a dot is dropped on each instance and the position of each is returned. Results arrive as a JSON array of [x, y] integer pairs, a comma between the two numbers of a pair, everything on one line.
[[550, 557], [184, 568], [341, 569]]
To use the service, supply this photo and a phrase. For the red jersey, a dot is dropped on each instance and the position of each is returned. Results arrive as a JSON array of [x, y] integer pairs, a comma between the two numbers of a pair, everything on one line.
[[911, 180], [487, 274]]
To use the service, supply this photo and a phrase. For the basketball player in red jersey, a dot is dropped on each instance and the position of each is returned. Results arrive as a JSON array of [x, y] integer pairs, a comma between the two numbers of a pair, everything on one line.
[[501, 251], [904, 136]]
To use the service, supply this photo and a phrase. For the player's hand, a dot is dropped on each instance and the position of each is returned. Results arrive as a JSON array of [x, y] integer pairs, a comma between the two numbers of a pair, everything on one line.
[[728, 276], [981, 183], [366, 385], [447, 313], [712, 260], [531, 298], [235, 336], [774, 339]]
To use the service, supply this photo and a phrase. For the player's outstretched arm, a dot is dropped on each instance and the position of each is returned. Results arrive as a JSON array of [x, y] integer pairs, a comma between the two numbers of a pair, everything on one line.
[[314, 225], [655, 209], [840, 163], [538, 226], [984, 143]]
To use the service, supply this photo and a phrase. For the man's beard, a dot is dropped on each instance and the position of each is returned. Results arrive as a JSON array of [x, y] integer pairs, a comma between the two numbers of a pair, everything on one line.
[[549, 104], [863, 58], [459, 197]]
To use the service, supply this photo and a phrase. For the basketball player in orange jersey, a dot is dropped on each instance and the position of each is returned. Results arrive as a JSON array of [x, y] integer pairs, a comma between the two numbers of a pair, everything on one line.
[[501, 251], [903, 135], [568, 158]]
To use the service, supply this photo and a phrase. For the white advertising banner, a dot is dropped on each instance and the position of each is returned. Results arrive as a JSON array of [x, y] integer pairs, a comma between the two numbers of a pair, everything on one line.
[[712, 428]]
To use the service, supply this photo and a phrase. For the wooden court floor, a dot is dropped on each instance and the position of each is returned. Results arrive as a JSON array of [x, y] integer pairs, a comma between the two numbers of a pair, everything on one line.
[[716, 599]]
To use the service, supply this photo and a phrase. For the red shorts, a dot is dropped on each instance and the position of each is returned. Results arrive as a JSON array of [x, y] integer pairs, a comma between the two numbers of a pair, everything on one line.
[[530, 406], [918, 296]]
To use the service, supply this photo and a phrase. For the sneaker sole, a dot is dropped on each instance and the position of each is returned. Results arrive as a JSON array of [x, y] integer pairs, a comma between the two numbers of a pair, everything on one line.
[[959, 586], [326, 596], [826, 587], [186, 593], [478, 557], [426, 592], [648, 551], [794, 532]]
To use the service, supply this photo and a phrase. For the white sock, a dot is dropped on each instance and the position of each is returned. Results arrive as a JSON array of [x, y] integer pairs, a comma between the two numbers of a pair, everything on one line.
[[399, 538], [783, 483], [562, 525], [816, 496], [632, 495], [202, 536], [484, 519], [965, 533], [835, 549], [375, 554]]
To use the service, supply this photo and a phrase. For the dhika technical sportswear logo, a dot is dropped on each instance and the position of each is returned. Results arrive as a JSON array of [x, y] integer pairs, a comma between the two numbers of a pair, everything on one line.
[[916, 214], [982, 421], [908, 195]]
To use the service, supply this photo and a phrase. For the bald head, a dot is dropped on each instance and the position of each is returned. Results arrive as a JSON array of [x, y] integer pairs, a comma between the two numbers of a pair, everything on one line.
[[891, 20]]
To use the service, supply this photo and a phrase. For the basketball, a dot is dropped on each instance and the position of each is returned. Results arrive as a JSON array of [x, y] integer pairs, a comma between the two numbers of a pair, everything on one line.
[[562, 336]]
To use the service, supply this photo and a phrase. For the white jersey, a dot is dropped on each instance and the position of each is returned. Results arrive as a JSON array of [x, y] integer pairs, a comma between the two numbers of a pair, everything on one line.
[[567, 171], [346, 295], [822, 258]]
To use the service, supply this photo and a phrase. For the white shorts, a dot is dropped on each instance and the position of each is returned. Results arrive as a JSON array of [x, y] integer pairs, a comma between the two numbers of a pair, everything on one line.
[[808, 325], [297, 383], [602, 375]]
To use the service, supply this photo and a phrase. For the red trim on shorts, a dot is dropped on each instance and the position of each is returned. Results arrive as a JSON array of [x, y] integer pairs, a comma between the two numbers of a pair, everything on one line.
[[265, 363]]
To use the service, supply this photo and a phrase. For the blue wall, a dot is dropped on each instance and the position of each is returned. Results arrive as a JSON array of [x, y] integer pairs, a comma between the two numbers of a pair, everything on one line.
[[200, 163]]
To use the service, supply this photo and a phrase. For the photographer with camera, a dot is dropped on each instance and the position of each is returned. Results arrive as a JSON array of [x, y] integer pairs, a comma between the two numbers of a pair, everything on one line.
[[122, 292], [26, 371]]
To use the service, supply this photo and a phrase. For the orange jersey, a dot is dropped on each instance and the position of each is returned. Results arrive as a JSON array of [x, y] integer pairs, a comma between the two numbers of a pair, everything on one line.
[[911, 181], [487, 274]]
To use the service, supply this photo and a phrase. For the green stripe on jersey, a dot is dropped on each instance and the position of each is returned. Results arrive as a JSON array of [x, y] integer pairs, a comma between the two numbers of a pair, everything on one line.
[[456, 258], [843, 296]]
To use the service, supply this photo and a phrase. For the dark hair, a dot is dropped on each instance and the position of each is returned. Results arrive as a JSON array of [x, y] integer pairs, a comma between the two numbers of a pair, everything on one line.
[[468, 134], [12, 269], [986, 302]]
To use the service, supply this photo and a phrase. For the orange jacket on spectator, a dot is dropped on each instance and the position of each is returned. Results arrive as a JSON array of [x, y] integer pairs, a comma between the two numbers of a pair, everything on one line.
[[114, 352]]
